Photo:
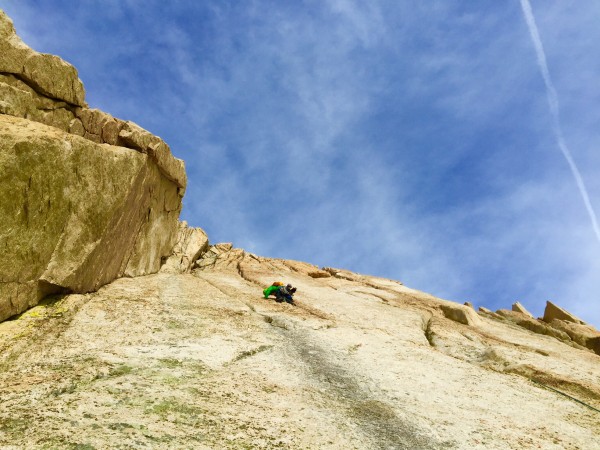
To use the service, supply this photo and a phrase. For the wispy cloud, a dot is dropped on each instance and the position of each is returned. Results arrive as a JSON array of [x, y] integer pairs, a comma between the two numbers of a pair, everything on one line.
[[555, 111]]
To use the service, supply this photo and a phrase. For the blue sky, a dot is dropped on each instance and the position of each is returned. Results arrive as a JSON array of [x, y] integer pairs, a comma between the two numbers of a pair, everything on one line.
[[410, 140]]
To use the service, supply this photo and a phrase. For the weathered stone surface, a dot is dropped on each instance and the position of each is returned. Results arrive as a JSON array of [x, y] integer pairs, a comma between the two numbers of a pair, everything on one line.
[[134, 136], [14, 101], [204, 359], [460, 313], [75, 214], [45, 89], [191, 244], [536, 325], [99, 126], [553, 311], [469, 304], [483, 311], [319, 274], [584, 335], [342, 274], [77, 211], [517, 307], [47, 74]]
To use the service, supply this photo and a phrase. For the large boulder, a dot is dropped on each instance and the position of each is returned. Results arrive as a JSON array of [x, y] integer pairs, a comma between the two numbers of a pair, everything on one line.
[[460, 313], [76, 214], [553, 311], [84, 197]]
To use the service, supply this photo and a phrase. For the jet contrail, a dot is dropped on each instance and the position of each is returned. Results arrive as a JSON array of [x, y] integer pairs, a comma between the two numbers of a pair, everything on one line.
[[554, 110]]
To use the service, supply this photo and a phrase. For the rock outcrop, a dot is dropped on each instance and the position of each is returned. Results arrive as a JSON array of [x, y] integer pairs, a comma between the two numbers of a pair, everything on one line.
[[202, 360], [553, 311], [517, 307], [193, 356], [460, 313], [84, 197], [191, 244], [557, 323]]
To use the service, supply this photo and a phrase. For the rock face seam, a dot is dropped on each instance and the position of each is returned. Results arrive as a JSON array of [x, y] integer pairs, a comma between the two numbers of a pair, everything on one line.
[[36, 88], [429, 335]]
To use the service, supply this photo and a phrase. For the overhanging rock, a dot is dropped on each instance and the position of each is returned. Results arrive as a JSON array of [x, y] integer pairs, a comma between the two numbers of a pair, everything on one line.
[[84, 197]]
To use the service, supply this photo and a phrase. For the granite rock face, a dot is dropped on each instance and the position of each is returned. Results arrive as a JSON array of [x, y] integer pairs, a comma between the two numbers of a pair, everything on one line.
[[191, 244], [84, 197], [557, 323], [201, 360], [44, 88], [47, 74], [460, 313]]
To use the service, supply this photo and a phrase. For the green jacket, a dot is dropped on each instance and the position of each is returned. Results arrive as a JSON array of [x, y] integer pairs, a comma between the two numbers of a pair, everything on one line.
[[270, 290]]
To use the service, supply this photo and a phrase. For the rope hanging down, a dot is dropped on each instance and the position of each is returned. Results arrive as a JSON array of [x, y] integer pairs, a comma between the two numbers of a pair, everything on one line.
[[566, 395]]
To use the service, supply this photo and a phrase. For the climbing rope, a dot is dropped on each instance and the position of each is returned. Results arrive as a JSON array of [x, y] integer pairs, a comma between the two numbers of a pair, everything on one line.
[[566, 395]]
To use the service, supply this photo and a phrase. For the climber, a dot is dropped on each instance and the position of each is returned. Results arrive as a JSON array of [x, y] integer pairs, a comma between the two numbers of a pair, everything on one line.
[[285, 293], [271, 290], [281, 293]]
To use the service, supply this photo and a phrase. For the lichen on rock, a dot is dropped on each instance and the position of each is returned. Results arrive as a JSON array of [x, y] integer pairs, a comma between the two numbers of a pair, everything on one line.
[[84, 197]]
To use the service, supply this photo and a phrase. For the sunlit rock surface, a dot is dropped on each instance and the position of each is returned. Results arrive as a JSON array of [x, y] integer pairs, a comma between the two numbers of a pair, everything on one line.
[[194, 356], [84, 197], [202, 360]]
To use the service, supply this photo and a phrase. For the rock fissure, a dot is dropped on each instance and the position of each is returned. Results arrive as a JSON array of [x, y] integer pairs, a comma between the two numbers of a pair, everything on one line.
[[249, 353], [429, 334], [241, 273], [29, 82]]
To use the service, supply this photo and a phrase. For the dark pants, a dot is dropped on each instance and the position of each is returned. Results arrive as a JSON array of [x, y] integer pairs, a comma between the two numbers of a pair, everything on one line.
[[281, 297]]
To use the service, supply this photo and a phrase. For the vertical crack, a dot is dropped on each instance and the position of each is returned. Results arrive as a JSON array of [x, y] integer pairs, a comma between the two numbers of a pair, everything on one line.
[[244, 276], [429, 334]]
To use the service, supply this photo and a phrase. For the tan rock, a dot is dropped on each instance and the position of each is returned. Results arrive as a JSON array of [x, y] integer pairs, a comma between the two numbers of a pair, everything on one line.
[[14, 101], [535, 325], [319, 274], [45, 89], [342, 274], [483, 311], [76, 215], [460, 313], [20, 100], [584, 335], [209, 361], [191, 244], [76, 127], [133, 136], [47, 74], [517, 307], [469, 304], [553, 311], [211, 257]]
